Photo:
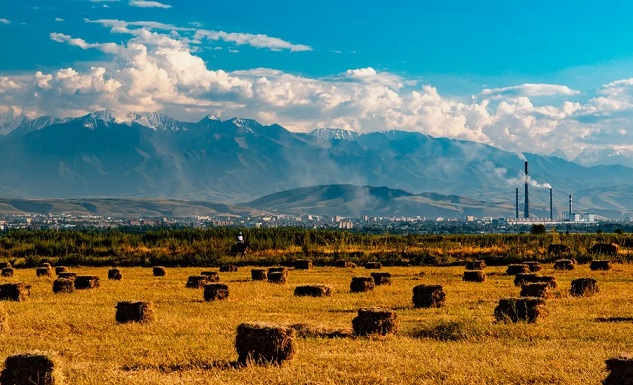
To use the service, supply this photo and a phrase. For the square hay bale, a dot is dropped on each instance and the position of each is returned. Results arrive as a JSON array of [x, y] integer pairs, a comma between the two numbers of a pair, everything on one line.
[[44, 271], [14, 291], [212, 276], [550, 280], [60, 269], [63, 285], [4, 265], [381, 278], [262, 343], [584, 287], [277, 269], [475, 265], [535, 289], [303, 264], [7, 272], [34, 368], [259, 274], [564, 264], [375, 321], [474, 276], [362, 284], [280, 277], [45, 264], [534, 266], [620, 371], [523, 278], [524, 309], [343, 263], [425, 296], [159, 271], [115, 274], [67, 275], [216, 291], [600, 265], [228, 269], [196, 281], [313, 291], [373, 265], [86, 282], [517, 268], [135, 311]]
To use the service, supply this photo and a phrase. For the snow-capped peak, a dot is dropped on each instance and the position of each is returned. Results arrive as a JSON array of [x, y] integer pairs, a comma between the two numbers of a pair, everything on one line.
[[334, 133], [156, 121], [11, 120]]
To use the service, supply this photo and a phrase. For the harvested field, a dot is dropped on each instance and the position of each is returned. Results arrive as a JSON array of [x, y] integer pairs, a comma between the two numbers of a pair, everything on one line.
[[200, 336]]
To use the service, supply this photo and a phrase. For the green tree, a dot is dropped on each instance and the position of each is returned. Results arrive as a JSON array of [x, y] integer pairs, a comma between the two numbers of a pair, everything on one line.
[[537, 229]]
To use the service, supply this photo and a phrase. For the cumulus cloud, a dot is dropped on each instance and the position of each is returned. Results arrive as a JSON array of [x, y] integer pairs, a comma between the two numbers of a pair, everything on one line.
[[155, 71], [148, 4], [254, 40]]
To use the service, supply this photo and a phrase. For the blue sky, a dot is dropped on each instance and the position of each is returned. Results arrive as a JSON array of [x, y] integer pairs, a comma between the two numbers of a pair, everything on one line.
[[523, 76]]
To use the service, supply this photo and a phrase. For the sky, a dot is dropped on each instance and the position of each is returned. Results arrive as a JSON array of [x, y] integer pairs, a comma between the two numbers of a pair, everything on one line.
[[535, 76]]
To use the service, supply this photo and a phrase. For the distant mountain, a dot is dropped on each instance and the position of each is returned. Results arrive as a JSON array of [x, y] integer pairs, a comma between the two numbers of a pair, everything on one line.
[[9, 121], [592, 156], [350, 200], [114, 155]]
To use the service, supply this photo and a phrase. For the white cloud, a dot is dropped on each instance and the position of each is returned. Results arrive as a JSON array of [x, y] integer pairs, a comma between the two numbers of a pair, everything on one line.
[[148, 4], [529, 90], [254, 40], [59, 19], [5, 21]]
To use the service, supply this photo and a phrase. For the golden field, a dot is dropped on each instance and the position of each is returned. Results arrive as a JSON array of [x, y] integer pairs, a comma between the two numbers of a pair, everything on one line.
[[192, 341]]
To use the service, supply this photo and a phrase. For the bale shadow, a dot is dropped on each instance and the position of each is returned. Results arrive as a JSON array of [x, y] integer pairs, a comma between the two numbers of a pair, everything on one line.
[[184, 366], [613, 319]]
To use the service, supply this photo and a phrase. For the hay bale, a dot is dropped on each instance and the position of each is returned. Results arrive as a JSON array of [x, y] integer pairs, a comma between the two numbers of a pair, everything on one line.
[[600, 265], [86, 282], [535, 289], [215, 291], [475, 265], [212, 276], [375, 321], [14, 291], [517, 268], [34, 368], [228, 269], [303, 264], [584, 287], [523, 278], [159, 271], [44, 271], [620, 371], [67, 275], [196, 281], [373, 265], [60, 269], [277, 269], [344, 263], [63, 285], [428, 296], [534, 266], [131, 311], [362, 284], [313, 291], [115, 274], [7, 272], [525, 309], [550, 280], [4, 265], [261, 343], [45, 264], [474, 276], [278, 275], [564, 264], [381, 278], [259, 274]]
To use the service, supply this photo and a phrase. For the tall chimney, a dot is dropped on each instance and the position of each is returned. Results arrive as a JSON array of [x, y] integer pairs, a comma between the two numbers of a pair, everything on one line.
[[551, 206], [526, 214], [570, 210], [517, 203]]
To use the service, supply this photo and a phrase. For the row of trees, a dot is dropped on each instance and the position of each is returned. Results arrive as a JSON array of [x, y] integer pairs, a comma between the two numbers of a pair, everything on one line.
[[186, 246]]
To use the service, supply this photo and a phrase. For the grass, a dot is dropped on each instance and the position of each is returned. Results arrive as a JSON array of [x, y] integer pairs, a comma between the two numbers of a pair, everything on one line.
[[192, 341]]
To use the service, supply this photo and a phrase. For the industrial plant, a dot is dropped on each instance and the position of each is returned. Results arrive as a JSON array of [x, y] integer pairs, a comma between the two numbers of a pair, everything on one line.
[[568, 217]]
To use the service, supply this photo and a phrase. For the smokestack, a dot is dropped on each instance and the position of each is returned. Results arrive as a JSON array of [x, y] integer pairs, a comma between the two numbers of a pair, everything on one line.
[[526, 214], [570, 210], [551, 206], [517, 204]]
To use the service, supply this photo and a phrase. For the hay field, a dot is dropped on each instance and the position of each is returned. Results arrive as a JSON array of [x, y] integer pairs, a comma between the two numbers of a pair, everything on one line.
[[192, 341]]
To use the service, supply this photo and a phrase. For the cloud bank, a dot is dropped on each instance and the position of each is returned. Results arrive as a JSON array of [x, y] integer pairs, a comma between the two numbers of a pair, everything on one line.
[[157, 69]]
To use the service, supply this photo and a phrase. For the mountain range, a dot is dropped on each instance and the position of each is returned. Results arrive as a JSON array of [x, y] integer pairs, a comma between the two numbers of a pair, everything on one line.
[[108, 155]]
